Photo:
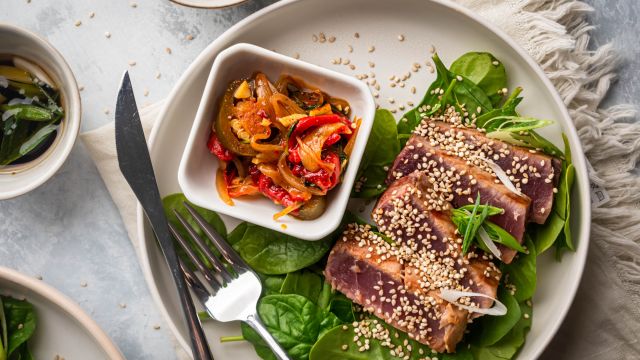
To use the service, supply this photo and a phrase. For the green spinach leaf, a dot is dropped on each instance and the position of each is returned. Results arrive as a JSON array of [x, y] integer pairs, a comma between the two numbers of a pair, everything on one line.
[[449, 89], [270, 252], [271, 284], [304, 282], [557, 229], [507, 109], [20, 321], [509, 345], [485, 71], [238, 233], [429, 104], [545, 235], [488, 330], [294, 321], [371, 183], [522, 272], [342, 307], [564, 201], [382, 148]]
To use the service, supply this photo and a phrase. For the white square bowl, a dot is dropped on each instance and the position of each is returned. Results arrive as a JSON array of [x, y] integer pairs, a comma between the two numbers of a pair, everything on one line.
[[197, 172]]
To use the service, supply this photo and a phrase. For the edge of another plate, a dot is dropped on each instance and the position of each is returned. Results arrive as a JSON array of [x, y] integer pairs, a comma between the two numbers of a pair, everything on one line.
[[208, 4], [63, 302], [581, 186]]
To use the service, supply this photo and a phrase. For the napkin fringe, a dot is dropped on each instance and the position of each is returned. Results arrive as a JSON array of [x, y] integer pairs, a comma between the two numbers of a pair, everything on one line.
[[609, 136]]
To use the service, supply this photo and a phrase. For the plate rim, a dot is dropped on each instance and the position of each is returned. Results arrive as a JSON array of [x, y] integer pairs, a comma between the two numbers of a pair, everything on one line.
[[579, 160], [65, 303], [196, 5]]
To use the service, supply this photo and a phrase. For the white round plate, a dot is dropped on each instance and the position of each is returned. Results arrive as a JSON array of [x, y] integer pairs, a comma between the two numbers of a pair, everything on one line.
[[62, 327], [287, 27]]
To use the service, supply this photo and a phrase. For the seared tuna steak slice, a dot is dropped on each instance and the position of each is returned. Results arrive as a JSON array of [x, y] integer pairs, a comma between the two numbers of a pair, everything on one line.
[[407, 216], [459, 183], [376, 282], [534, 173]]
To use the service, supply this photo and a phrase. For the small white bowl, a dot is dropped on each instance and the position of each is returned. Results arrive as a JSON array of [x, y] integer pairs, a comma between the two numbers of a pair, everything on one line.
[[198, 166], [18, 179], [62, 327]]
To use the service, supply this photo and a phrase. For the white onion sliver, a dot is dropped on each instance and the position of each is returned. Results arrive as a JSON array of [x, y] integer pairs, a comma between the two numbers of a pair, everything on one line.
[[486, 239], [33, 69], [498, 308], [4, 82], [25, 101], [504, 178], [9, 113]]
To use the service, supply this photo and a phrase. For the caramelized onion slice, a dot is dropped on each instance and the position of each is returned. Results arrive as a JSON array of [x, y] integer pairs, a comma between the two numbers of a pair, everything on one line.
[[310, 148], [273, 172], [284, 106], [287, 210], [221, 186], [294, 181], [352, 140]]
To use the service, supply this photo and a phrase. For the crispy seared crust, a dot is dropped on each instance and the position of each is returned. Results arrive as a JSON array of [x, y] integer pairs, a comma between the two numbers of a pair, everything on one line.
[[351, 272], [401, 283], [480, 276], [539, 190], [465, 181]]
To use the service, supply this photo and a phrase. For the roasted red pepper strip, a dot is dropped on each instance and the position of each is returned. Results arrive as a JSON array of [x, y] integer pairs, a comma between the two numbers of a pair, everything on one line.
[[230, 173], [306, 123], [332, 139], [321, 178], [294, 156], [217, 149], [271, 190]]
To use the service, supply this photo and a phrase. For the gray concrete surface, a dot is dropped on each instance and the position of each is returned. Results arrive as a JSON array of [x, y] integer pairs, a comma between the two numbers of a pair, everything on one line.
[[68, 230]]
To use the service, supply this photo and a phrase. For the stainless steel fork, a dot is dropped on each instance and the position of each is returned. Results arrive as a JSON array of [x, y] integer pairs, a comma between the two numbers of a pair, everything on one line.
[[230, 296]]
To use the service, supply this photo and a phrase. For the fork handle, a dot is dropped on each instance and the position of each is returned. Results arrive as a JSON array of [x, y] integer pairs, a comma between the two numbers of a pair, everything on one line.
[[257, 325], [199, 346]]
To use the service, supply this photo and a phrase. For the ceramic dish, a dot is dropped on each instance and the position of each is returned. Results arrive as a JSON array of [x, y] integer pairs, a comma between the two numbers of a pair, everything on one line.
[[423, 24], [63, 328], [198, 164], [18, 179]]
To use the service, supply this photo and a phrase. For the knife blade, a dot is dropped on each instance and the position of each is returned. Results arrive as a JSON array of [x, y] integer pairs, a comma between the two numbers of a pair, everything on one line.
[[135, 164]]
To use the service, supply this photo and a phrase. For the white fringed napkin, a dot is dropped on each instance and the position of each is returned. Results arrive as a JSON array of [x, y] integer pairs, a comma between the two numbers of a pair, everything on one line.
[[604, 322]]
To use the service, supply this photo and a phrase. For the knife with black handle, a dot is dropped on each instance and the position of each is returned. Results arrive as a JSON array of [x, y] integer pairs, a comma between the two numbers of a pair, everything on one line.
[[135, 164]]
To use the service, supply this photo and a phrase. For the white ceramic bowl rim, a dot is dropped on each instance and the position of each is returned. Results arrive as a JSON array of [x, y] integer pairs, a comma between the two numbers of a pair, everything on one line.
[[578, 161], [71, 308], [72, 118], [197, 163]]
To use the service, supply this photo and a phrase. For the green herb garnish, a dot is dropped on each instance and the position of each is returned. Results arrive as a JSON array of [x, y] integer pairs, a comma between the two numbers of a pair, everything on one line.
[[470, 218]]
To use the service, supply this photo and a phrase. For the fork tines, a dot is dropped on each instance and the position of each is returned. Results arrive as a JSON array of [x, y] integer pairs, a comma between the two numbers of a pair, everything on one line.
[[200, 248]]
